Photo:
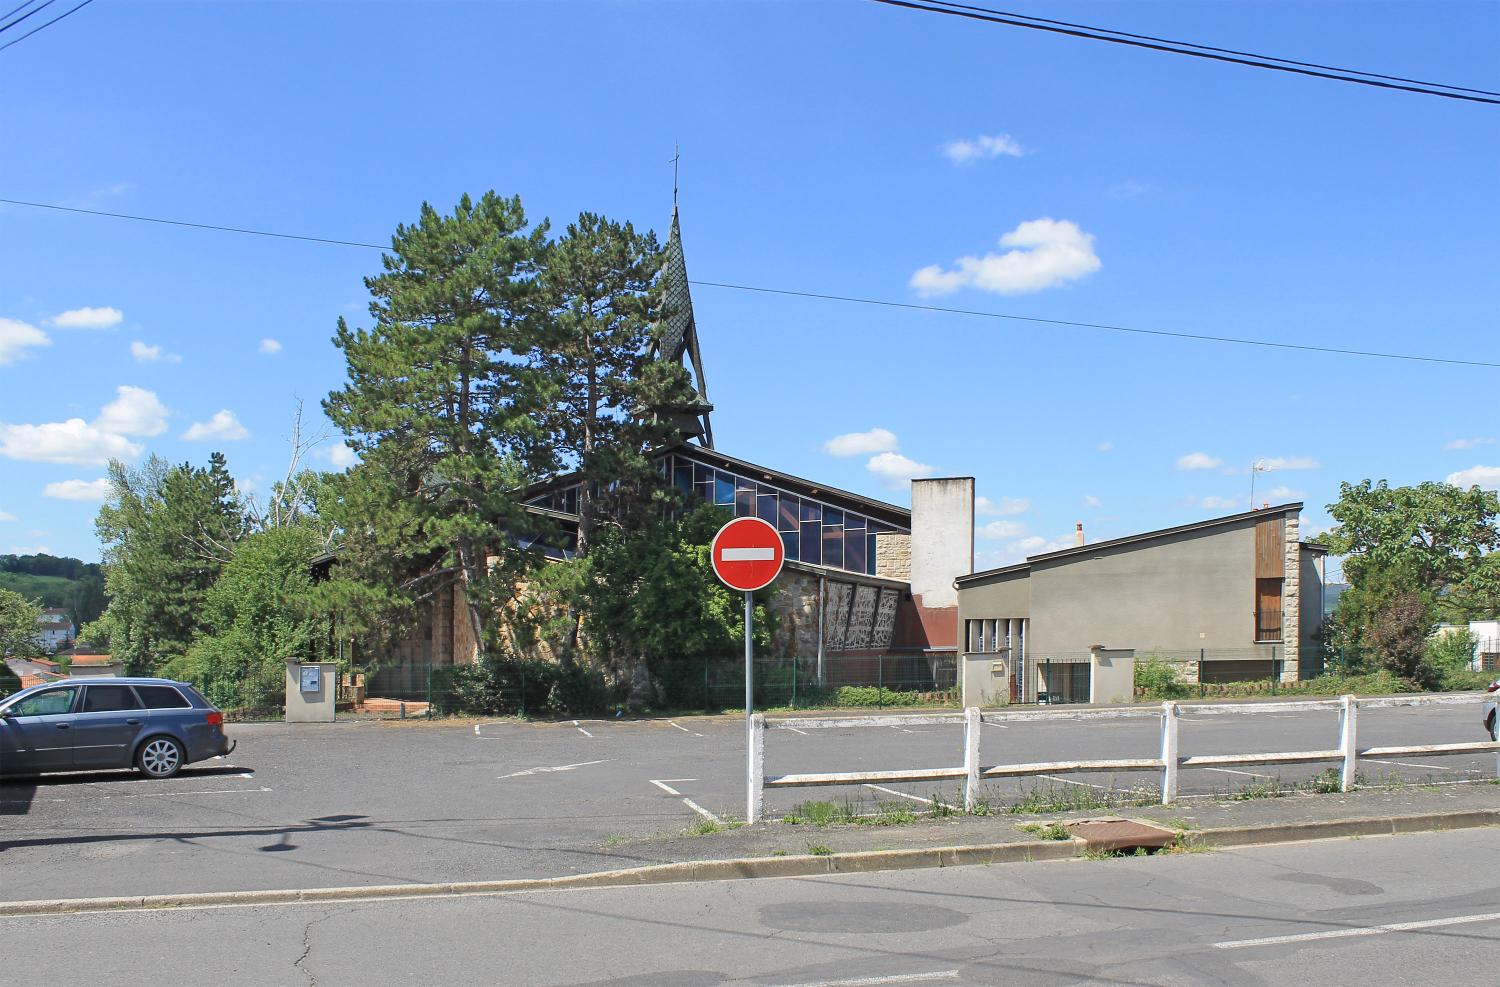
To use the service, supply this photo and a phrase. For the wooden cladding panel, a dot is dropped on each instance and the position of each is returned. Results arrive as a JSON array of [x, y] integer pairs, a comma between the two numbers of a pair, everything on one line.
[[1270, 548]]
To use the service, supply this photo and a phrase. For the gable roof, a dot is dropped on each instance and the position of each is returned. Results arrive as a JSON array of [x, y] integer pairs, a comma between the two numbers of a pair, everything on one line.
[[1219, 522]]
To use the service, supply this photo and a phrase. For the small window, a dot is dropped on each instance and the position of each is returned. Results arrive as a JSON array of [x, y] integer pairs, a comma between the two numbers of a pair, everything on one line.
[[49, 703], [162, 697], [109, 699]]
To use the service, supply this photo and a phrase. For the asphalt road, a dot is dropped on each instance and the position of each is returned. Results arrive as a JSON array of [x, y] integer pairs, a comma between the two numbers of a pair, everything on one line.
[[379, 803], [1419, 909]]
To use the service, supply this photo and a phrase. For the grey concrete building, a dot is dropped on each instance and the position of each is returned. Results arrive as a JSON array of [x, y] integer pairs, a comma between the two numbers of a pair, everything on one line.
[[1231, 598]]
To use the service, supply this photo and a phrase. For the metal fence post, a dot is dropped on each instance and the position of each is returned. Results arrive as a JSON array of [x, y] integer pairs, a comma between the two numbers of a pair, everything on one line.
[[707, 702], [794, 681], [521, 704], [429, 690], [880, 682], [1168, 752], [1495, 735], [1202, 689], [1349, 742], [755, 783], [972, 725]]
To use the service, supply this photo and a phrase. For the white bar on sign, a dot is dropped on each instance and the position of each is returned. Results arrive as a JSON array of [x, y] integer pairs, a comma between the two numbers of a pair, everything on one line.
[[748, 555]]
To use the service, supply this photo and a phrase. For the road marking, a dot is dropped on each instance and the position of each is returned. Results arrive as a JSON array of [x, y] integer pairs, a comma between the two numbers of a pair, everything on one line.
[[795, 730], [143, 795], [665, 787], [702, 811], [1070, 781], [1408, 764], [683, 728], [903, 729], [560, 767], [899, 978], [1231, 771], [582, 730], [914, 798], [1371, 930]]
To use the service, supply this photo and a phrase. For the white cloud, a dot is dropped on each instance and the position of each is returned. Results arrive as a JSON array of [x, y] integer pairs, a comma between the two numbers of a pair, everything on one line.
[[966, 151], [1457, 445], [1487, 477], [1037, 545], [342, 456], [135, 411], [1005, 505], [1222, 503], [996, 530], [1283, 494], [1089, 500], [269, 347], [6, 517], [1045, 253], [17, 337], [1105, 446], [1288, 463], [88, 318], [151, 354], [861, 443], [897, 470], [72, 441], [1198, 461], [222, 427], [95, 490]]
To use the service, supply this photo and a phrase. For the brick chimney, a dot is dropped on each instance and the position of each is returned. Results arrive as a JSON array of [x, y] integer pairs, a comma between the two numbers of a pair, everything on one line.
[[1078, 533]]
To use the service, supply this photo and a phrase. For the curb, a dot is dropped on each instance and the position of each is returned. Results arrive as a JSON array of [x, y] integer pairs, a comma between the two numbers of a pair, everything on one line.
[[805, 865]]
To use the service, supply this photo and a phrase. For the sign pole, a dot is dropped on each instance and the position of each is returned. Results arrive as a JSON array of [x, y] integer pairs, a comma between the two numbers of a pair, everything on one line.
[[750, 792]]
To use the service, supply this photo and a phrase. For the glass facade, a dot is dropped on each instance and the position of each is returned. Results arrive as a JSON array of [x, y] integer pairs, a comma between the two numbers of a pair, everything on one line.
[[811, 531]]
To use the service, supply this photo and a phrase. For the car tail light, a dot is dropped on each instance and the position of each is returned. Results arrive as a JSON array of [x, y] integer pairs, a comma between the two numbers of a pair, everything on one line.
[[1494, 686], [214, 718]]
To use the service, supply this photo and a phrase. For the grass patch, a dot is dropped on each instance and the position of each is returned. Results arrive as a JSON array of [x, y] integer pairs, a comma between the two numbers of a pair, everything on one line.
[[1269, 789], [819, 849], [1051, 831], [823, 813], [612, 840], [1044, 799]]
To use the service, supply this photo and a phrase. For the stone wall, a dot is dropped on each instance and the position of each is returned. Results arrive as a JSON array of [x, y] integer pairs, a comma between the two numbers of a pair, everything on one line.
[[1291, 604], [893, 556]]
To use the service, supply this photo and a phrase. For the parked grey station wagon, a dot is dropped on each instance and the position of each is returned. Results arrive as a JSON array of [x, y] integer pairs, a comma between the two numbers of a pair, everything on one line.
[[153, 725]]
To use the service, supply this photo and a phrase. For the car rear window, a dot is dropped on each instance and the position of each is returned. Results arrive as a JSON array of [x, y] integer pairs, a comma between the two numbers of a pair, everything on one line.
[[109, 698], [162, 697]]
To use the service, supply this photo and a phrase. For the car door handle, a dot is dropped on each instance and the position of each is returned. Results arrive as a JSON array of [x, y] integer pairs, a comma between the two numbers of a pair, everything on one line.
[[132, 721], [61, 726]]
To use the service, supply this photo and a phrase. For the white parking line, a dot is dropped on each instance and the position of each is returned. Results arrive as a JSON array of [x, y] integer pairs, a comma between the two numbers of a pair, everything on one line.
[[143, 795], [795, 730], [560, 767], [665, 787], [582, 730], [1408, 764], [914, 798], [701, 811], [1231, 771], [1370, 930], [683, 728], [1070, 781], [898, 978]]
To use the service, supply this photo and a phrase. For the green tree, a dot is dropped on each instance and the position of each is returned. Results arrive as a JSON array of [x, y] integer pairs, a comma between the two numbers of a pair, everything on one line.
[[18, 625], [167, 532], [443, 407], [260, 611]]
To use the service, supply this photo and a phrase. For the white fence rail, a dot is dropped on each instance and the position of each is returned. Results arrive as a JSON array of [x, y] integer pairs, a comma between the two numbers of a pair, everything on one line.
[[1170, 762]]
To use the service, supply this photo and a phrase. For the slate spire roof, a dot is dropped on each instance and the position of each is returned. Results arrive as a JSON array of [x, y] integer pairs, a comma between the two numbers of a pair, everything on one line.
[[678, 340]]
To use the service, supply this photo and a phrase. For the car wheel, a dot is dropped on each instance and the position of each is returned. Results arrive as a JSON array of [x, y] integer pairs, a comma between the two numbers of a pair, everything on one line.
[[159, 757]]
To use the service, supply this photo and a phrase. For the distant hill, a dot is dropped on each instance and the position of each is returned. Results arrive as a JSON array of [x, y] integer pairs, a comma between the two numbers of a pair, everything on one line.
[[72, 584]]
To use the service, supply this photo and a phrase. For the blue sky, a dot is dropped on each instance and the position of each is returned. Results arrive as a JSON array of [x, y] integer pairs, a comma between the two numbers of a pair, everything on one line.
[[838, 147]]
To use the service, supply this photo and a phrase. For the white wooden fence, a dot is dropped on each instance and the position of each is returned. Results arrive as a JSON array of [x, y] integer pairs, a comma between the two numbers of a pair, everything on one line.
[[1169, 763]]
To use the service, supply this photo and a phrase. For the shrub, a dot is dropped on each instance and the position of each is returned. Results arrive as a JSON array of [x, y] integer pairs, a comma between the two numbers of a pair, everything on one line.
[[495, 687], [9, 681], [1156, 679]]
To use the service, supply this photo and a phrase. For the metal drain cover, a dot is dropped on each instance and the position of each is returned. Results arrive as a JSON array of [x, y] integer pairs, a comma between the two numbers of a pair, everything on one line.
[[1120, 834]]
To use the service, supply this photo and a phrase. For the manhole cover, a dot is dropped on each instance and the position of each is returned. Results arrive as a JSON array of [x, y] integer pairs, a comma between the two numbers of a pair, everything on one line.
[[1120, 834]]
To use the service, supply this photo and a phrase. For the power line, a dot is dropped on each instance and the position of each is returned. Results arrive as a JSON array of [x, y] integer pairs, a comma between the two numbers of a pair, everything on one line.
[[42, 27], [1195, 51], [849, 299], [35, 10], [1226, 51]]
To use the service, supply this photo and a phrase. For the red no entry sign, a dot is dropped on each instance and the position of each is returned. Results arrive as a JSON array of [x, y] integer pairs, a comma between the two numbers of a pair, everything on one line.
[[747, 554]]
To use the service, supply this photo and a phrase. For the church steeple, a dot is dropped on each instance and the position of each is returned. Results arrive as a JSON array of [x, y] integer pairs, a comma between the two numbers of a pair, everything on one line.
[[678, 337]]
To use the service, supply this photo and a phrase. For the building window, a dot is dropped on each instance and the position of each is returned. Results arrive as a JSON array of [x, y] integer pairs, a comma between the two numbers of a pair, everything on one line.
[[1268, 610]]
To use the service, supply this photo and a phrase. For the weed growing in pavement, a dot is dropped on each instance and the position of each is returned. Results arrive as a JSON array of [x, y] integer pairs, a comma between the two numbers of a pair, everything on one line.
[[1187, 843], [1180, 824], [1051, 831], [778, 853], [1269, 789], [889, 814], [1101, 854], [819, 849], [1326, 782], [613, 840], [981, 806], [708, 827], [938, 809], [1071, 798]]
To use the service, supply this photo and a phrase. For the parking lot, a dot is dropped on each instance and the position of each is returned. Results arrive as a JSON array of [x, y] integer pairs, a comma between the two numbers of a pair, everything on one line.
[[365, 802]]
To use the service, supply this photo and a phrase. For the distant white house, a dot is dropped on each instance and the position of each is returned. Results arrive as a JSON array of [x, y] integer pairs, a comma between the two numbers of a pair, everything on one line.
[[1486, 635], [55, 629]]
